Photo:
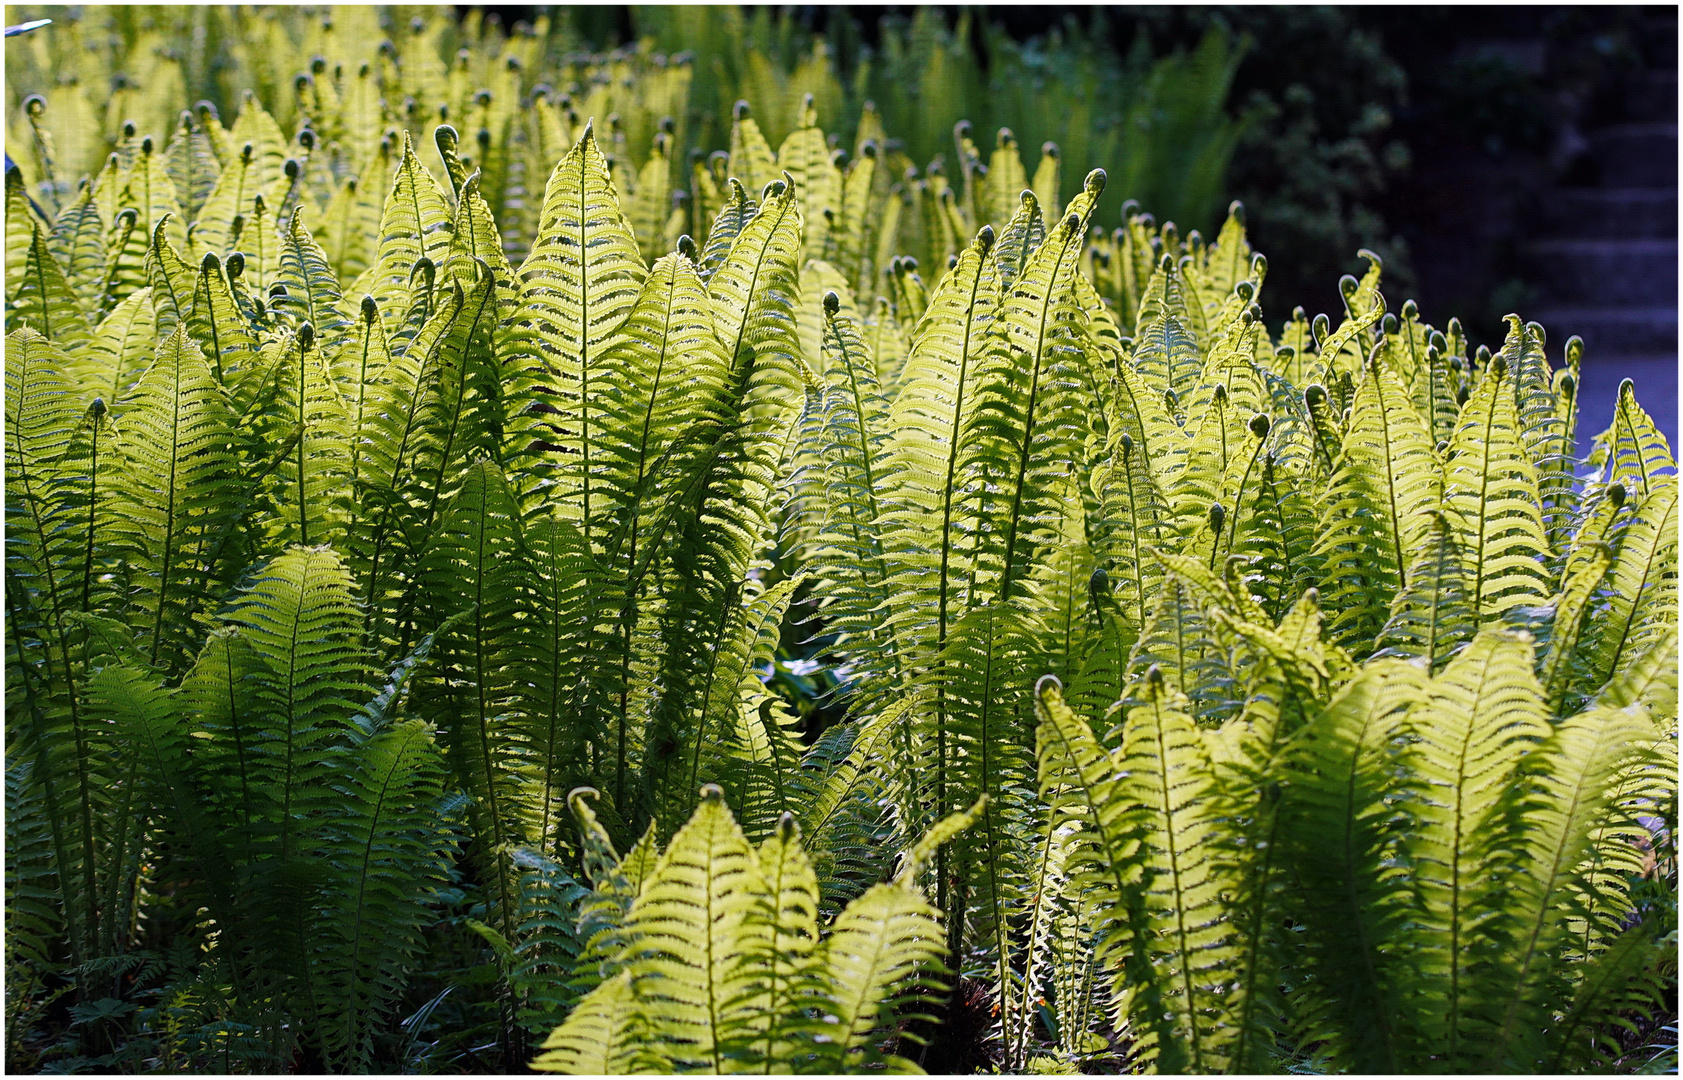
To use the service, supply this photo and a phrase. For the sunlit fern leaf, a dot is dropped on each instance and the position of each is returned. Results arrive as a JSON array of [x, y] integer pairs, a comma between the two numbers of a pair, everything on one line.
[[751, 159], [475, 237], [313, 293], [1220, 457], [738, 209], [1632, 450], [1651, 679], [78, 243], [466, 415], [223, 332], [1643, 581], [1166, 356], [664, 368], [1532, 386], [390, 854], [1229, 258], [44, 299], [1167, 295], [696, 924], [931, 412], [257, 236], [1432, 617], [1577, 591], [1006, 178], [21, 220], [1063, 582], [1106, 851], [1568, 784], [474, 564], [448, 142], [652, 201], [416, 222], [172, 280], [606, 1034], [149, 190], [818, 278], [1387, 474], [179, 473], [754, 293], [877, 961], [790, 981], [309, 416], [1026, 423], [806, 157], [1025, 231], [236, 185], [1490, 484], [857, 493], [857, 228], [399, 429], [107, 187], [1481, 715], [191, 165], [1180, 643], [254, 125], [571, 305], [1274, 528], [1355, 896], [350, 226]]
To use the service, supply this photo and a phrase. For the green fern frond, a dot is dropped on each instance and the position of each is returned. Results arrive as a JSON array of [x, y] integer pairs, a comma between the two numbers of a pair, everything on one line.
[[176, 493], [1481, 716], [1632, 450], [1643, 581], [1387, 474], [1490, 483], [1336, 828]]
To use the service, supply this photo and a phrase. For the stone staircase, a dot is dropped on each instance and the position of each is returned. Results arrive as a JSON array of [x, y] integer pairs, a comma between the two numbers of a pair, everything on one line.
[[1605, 260]]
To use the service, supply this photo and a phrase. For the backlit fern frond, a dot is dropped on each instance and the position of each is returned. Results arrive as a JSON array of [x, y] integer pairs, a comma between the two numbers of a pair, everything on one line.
[[1481, 715], [1387, 474]]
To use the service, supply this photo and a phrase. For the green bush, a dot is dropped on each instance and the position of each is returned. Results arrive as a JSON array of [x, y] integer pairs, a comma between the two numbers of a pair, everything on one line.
[[364, 506]]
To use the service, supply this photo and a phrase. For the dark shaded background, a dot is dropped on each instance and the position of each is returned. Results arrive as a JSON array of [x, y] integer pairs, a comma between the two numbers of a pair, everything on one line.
[[1500, 159]]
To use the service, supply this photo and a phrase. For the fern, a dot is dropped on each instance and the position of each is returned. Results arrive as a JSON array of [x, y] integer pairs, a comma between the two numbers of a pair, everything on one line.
[[787, 489]]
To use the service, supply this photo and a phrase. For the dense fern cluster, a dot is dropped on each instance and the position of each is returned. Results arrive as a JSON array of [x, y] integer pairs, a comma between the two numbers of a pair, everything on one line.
[[377, 530]]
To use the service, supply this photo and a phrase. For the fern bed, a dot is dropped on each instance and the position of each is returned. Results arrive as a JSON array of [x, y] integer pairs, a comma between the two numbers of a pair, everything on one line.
[[411, 508]]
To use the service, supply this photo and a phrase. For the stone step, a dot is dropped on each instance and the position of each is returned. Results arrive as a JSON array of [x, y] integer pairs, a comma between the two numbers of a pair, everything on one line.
[[1635, 155], [1655, 379], [1604, 273], [1612, 331], [1611, 213]]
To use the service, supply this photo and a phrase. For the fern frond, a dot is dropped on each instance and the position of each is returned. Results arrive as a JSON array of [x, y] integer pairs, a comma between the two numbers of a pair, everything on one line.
[[1632, 449], [1387, 474], [177, 489], [1643, 580], [1491, 485], [1481, 716], [1336, 827]]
